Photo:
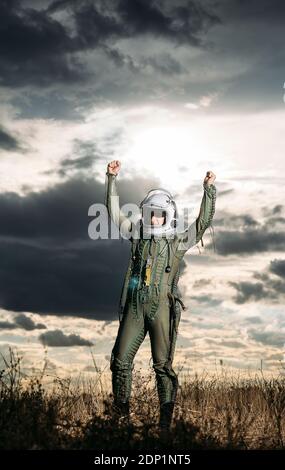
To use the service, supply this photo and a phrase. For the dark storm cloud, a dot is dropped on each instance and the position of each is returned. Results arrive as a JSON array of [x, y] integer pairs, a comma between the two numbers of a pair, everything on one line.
[[267, 288], [259, 85], [262, 276], [60, 212], [83, 162], [270, 338], [131, 18], [73, 50], [243, 234], [272, 10], [250, 291], [273, 211], [22, 321], [57, 338], [77, 163], [277, 266], [6, 325], [273, 221], [249, 241], [48, 262], [7, 141], [35, 47], [86, 153]]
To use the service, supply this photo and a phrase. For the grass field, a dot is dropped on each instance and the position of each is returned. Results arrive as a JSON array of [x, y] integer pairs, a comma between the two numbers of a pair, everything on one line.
[[210, 413]]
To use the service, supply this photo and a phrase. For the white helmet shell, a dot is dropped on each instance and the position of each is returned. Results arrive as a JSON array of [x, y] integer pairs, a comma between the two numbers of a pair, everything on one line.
[[159, 202]]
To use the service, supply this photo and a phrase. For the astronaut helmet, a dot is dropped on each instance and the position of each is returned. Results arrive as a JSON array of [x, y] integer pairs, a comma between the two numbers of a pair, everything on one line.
[[160, 203]]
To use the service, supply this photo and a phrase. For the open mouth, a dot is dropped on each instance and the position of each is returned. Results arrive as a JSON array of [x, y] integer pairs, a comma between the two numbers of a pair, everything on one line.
[[149, 213], [159, 214]]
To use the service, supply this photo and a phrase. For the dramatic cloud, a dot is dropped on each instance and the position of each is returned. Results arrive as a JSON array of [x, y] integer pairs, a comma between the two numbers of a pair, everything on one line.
[[249, 241], [71, 54], [6, 325], [277, 266], [131, 18], [256, 9], [85, 154], [171, 89], [48, 262], [245, 234], [36, 47], [22, 321], [7, 141], [271, 338], [249, 291], [57, 338], [267, 288], [272, 211]]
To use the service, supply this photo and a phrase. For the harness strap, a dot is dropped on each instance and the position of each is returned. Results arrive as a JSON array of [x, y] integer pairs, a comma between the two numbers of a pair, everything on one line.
[[173, 299]]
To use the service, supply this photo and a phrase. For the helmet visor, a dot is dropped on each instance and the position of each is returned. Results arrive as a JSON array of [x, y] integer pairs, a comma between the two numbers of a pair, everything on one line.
[[150, 212]]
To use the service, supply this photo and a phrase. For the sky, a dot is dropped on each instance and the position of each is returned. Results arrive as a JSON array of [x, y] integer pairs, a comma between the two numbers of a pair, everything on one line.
[[172, 90]]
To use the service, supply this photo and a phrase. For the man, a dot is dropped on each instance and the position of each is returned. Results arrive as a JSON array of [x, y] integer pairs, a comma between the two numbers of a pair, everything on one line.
[[150, 300]]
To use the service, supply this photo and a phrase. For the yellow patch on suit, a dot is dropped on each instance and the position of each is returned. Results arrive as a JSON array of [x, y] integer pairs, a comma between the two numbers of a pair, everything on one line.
[[148, 271]]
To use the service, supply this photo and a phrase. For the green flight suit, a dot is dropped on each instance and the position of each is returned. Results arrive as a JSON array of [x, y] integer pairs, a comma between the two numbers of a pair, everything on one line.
[[156, 308]]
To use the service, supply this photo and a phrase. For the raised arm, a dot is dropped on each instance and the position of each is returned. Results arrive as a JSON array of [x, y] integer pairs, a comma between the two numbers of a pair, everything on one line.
[[194, 233], [112, 198]]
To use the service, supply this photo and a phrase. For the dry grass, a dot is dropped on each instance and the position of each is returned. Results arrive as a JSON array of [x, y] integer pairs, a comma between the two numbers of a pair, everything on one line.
[[209, 414]]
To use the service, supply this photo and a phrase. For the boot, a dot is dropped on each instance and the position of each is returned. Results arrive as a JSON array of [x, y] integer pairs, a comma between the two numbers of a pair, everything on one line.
[[166, 411]]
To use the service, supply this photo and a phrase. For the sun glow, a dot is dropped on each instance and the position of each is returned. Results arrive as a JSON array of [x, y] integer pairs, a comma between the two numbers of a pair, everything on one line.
[[169, 152]]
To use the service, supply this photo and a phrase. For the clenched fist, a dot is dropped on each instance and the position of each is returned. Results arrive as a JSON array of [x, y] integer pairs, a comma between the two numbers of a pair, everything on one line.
[[209, 178], [114, 167]]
